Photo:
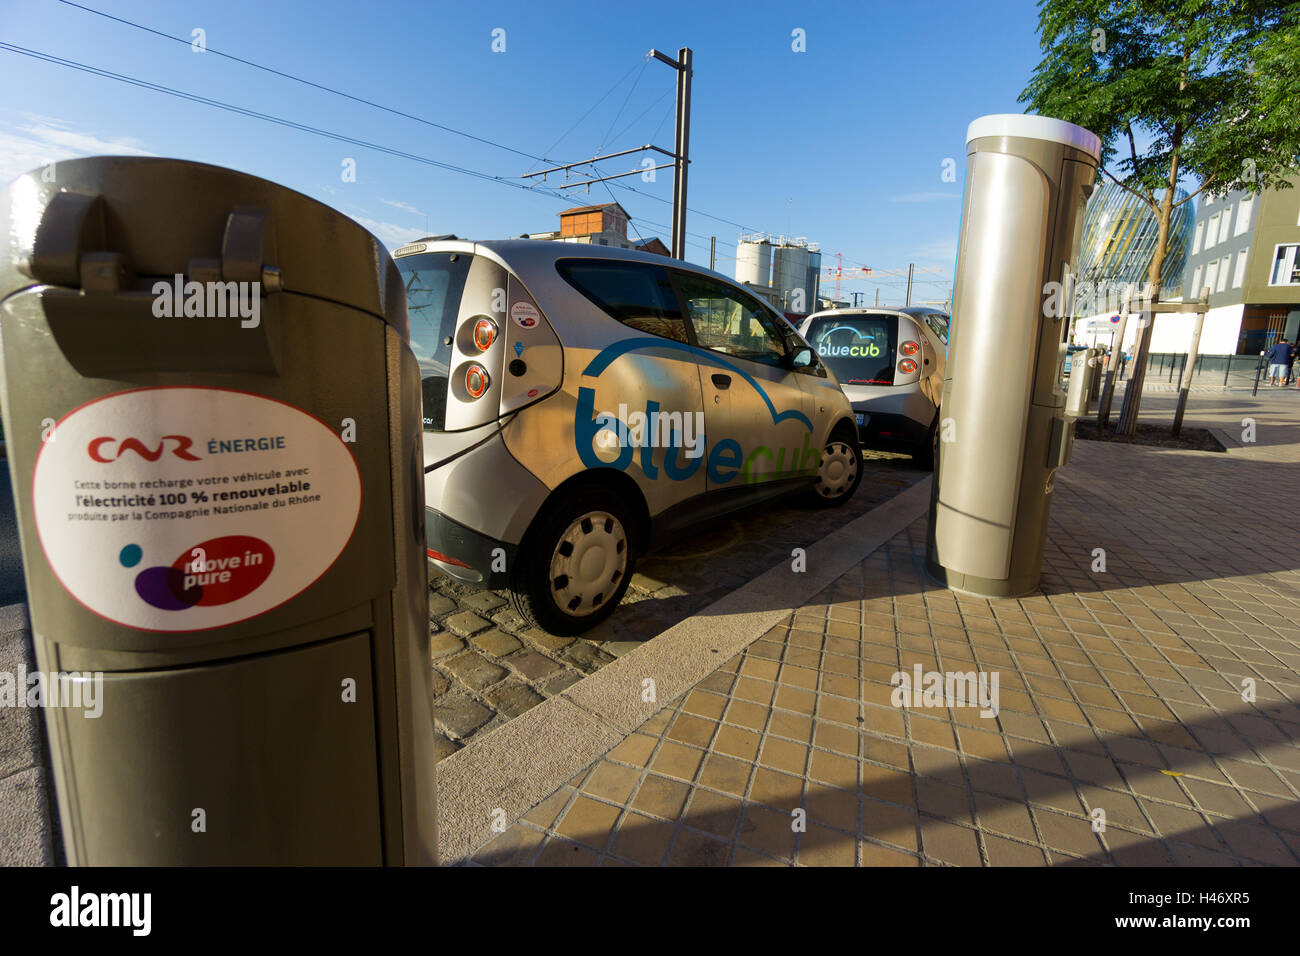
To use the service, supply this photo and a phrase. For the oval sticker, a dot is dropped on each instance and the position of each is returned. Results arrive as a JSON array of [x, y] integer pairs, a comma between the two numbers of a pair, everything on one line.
[[525, 315], [187, 508]]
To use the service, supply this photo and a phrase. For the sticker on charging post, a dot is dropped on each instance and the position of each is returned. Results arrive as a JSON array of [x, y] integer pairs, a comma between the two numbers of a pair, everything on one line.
[[182, 509]]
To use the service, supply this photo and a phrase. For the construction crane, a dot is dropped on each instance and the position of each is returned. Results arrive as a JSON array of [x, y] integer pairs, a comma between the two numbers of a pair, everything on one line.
[[836, 272], [840, 274]]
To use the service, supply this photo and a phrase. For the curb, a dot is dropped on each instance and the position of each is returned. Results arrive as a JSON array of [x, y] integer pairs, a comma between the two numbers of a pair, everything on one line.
[[513, 768]]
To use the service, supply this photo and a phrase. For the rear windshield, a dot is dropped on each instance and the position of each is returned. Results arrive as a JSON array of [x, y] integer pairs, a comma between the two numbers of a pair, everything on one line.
[[434, 282], [859, 349]]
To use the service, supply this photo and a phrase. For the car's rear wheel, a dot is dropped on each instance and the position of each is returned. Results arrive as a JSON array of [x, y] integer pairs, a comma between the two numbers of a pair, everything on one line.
[[840, 470], [576, 563]]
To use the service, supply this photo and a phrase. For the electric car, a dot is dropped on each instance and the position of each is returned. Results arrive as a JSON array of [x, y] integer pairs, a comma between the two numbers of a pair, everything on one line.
[[890, 363], [583, 404]]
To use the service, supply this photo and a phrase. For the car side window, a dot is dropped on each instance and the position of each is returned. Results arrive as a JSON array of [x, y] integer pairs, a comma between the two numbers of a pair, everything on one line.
[[728, 321], [938, 324], [637, 294]]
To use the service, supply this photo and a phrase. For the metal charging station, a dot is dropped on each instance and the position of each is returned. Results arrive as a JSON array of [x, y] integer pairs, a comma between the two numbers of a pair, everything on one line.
[[1003, 427], [1083, 376], [213, 421]]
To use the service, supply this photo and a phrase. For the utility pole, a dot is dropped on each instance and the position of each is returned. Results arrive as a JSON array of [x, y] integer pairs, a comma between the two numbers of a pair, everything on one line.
[[682, 144], [877, 295], [713, 252], [910, 267]]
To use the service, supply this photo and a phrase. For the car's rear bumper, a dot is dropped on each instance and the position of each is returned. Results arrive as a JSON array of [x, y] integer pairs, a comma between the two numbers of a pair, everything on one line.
[[465, 554], [887, 429]]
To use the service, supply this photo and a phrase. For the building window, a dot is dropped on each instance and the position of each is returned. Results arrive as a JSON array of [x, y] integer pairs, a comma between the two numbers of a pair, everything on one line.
[[1211, 274], [1196, 243], [1225, 224], [1195, 291], [1211, 235], [1223, 273], [1286, 266], [1244, 210], [1239, 276]]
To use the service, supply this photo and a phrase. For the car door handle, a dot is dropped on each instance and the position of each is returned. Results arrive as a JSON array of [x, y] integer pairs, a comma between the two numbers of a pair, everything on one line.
[[722, 381]]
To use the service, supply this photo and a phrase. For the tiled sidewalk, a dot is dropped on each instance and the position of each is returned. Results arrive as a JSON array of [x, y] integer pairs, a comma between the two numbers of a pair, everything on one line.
[[489, 667], [1120, 691]]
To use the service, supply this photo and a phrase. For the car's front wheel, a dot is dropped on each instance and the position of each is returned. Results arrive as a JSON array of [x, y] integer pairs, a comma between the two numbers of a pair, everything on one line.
[[575, 567], [840, 470]]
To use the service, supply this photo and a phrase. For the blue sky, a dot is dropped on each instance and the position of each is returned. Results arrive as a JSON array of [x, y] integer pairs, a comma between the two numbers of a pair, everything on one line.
[[843, 144]]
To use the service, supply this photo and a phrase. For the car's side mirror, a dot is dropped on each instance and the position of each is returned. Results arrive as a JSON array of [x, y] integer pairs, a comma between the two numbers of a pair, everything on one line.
[[802, 357]]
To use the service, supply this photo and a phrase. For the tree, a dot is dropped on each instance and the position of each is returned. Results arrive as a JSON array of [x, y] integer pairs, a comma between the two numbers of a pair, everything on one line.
[[1211, 87]]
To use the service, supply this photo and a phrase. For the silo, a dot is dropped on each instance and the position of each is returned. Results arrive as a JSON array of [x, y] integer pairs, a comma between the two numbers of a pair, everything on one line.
[[754, 261], [814, 277], [790, 272]]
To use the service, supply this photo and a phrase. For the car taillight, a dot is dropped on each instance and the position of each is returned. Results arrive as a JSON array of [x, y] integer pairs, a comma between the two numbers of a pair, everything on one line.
[[907, 366], [476, 380], [909, 348], [485, 333]]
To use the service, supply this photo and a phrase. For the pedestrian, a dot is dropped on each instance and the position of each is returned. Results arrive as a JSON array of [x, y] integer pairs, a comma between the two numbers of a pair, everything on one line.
[[1280, 357]]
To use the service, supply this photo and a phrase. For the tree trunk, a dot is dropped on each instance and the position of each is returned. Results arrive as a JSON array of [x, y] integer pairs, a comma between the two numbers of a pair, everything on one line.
[[1128, 416]]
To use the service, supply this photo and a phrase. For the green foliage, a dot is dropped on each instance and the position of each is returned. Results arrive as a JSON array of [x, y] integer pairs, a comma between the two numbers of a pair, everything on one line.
[[1214, 85]]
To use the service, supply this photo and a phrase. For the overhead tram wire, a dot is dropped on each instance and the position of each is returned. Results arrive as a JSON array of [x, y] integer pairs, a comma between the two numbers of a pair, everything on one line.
[[617, 116], [319, 86], [372, 104], [411, 116], [280, 121], [393, 111], [579, 120], [254, 114]]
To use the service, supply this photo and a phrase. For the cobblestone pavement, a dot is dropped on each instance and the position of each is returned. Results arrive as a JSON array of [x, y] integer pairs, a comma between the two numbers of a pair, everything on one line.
[[488, 667], [1149, 712]]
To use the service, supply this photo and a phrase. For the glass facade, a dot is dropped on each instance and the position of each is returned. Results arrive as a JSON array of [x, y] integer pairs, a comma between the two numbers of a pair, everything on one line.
[[1119, 239]]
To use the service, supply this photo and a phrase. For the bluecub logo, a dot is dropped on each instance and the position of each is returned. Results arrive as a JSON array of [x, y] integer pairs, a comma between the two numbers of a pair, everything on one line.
[[850, 349], [723, 462]]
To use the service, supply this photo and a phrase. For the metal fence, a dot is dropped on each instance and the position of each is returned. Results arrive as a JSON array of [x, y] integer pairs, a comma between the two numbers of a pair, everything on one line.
[[1226, 371]]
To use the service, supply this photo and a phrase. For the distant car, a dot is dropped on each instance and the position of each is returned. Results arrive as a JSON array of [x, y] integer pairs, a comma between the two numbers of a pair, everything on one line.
[[890, 363], [583, 403]]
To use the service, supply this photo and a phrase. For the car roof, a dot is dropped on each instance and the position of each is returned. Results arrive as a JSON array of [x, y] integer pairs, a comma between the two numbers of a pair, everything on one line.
[[533, 262], [530, 255], [826, 313]]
